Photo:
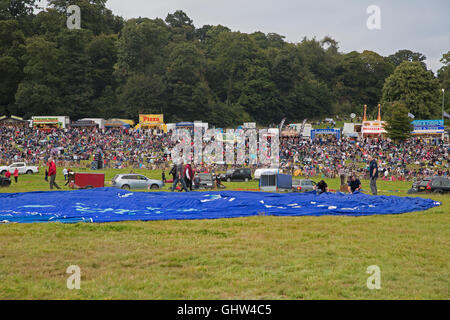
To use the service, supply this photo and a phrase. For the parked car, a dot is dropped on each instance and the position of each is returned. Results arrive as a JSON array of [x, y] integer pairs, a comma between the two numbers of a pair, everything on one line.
[[22, 167], [5, 182], [203, 181], [303, 185], [135, 181], [431, 184], [244, 174]]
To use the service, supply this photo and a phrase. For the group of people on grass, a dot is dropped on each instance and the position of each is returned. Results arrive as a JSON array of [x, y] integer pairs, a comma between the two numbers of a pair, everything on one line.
[[326, 157]]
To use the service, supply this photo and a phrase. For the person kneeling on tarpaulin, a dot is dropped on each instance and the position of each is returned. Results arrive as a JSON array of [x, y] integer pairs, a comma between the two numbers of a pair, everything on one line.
[[354, 184], [321, 187]]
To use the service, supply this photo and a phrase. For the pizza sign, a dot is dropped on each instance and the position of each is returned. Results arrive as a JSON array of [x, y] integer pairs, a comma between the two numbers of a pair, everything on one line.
[[151, 119]]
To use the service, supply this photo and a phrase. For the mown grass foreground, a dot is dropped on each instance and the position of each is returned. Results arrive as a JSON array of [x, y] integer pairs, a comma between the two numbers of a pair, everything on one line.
[[245, 258]]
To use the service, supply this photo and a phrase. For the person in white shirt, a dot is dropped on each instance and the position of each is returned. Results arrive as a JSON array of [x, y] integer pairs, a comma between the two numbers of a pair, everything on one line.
[[65, 173]]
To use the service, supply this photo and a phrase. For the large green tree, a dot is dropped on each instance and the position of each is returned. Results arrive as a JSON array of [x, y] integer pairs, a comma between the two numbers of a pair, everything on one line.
[[12, 42], [13, 9], [39, 93], [76, 73], [407, 55], [415, 87], [142, 47], [94, 15], [444, 79], [189, 95], [360, 79], [398, 124]]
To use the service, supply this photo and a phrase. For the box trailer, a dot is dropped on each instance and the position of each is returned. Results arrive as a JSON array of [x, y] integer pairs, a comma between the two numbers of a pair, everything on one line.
[[273, 182], [87, 180]]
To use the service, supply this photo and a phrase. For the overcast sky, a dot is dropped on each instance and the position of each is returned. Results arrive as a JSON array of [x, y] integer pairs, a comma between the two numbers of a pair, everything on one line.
[[417, 25]]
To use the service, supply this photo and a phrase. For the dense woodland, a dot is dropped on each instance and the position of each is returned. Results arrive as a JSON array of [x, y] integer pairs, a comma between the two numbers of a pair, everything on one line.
[[114, 67]]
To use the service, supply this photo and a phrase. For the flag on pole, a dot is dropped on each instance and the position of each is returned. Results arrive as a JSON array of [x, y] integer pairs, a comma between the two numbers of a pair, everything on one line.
[[411, 115], [302, 128], [446, 115], [282, 123]]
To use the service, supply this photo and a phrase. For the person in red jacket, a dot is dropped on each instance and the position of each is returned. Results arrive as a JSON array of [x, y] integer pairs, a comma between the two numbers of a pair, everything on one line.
[[16, 174], [8, 174], [188, 176], [52, 173]]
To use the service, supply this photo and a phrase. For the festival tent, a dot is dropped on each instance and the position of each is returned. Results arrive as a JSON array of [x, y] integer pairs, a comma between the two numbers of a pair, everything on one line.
[[110, 204], [185, 125], [116, 123]]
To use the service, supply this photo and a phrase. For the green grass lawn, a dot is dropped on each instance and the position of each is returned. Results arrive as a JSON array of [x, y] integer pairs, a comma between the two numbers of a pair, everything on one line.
[[245, 258]]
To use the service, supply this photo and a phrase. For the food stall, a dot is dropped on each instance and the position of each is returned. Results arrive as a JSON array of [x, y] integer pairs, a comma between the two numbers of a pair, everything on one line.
[[327, 132], [84, 124], [116, 123], [50, 122], [428, 130], [373, 129], [13, 121], [151, 121]]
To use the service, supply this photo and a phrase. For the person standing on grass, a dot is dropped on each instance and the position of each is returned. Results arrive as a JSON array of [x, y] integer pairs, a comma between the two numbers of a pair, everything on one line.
[[65, 173], [52, 174], [188, 176], [373, 170], [179, 177], [8, 174], [163, 176], [16, 174]]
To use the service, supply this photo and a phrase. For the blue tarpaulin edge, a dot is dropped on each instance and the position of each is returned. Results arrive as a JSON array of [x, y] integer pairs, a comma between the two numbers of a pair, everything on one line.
[[111, 204]]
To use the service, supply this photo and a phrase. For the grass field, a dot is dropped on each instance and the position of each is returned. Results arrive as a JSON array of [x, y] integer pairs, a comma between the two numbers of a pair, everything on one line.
[[246, 258]]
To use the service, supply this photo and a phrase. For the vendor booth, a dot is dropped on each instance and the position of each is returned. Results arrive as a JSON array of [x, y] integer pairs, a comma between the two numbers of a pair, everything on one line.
[[185, 125], [290, 134], [13, 121], [428, 130], [151, 121], [319, 132], [352, 130], [50, 122], [373, 129], [84, 124], [116, 123], [99, 121]]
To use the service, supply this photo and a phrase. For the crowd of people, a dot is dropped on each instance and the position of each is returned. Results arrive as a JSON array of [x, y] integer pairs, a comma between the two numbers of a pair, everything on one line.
[[327, 157], [331, 158], [119, 147]]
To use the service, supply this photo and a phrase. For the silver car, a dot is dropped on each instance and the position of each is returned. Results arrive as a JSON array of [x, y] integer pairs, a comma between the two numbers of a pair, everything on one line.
[[302, 185], [135, 181]]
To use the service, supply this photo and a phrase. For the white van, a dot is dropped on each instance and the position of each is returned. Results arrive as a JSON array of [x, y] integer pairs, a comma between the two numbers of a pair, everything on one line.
[[258, 172]]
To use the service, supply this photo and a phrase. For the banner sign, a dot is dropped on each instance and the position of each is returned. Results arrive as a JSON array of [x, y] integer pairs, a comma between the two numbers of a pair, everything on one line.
[[45, 120], [428, 126], [373, 127], [335, 132], [151, 119]]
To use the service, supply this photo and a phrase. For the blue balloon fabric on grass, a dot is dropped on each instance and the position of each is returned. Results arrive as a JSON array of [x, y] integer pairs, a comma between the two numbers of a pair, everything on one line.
[[110, 204]]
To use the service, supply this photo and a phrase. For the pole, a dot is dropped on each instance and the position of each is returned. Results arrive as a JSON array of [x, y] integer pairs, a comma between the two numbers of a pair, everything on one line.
[[443, 98], [443, 120]]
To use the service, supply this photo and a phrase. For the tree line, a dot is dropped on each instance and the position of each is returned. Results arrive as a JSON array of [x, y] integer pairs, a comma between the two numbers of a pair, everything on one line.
[[114, 67]]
